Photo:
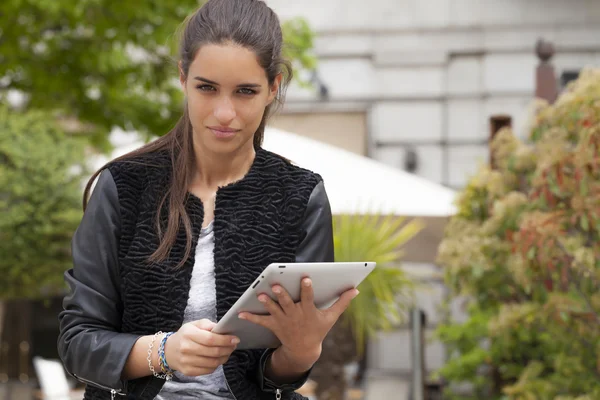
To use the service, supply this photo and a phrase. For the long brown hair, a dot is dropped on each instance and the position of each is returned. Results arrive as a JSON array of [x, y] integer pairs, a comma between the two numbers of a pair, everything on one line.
[[248, 23]]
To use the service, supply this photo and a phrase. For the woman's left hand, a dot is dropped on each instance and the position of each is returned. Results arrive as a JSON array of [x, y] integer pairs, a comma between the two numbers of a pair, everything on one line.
[[301, 327]]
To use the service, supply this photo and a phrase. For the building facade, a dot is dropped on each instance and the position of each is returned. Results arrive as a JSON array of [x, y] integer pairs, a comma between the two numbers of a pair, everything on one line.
[[424, 76]]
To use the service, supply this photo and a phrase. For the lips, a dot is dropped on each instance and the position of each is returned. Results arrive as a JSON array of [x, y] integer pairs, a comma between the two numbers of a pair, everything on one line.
[[222, 132]]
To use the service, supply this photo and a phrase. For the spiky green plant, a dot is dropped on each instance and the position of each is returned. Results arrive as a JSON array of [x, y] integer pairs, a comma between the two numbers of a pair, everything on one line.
[[384, 294]]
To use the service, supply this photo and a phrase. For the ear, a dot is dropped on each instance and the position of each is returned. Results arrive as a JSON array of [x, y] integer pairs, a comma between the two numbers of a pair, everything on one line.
[[274, 88], [182, 78]]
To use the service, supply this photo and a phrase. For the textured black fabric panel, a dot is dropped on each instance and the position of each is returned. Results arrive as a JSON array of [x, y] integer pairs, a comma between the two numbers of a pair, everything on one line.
[[257, 222]]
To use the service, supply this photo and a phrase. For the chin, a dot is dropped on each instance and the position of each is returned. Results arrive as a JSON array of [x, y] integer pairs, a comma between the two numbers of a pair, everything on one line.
[[225, 146]]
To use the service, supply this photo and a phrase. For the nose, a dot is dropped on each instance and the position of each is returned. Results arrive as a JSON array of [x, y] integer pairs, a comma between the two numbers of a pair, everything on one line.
[[224, 110]]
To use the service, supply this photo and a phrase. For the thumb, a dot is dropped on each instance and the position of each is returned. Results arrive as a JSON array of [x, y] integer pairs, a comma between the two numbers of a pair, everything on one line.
[[204, 324], [343, 302]]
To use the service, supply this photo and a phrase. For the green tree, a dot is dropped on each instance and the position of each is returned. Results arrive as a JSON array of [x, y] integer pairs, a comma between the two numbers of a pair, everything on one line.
[[83, 67], [40, 203], [525, 249], [100, 64]]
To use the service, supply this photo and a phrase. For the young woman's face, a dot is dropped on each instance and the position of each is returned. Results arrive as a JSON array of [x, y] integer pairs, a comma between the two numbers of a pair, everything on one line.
[[227, 92]]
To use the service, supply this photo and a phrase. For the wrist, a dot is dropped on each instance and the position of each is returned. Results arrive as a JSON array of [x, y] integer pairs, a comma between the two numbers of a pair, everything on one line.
[[164, 365], [285, 366], [301, 362], [168, 353], [156, 357], [152, 357]]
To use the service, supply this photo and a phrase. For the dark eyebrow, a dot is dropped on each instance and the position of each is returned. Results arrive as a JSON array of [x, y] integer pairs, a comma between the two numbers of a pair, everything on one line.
[[245, 85]]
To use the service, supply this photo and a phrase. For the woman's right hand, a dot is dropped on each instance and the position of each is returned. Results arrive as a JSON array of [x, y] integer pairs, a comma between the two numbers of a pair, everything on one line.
[[194, 350]]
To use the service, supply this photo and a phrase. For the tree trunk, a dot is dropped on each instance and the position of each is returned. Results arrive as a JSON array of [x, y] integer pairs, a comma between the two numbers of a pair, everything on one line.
[[1, 317], [15, 342], [359, 379], [339, 349]]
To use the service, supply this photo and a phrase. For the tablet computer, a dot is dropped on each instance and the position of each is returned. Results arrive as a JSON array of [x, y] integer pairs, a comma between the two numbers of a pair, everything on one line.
[[329, 281]]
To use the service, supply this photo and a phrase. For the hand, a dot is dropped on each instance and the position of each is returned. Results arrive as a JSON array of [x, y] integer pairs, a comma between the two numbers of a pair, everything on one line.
[[194, 350], [301, 327]]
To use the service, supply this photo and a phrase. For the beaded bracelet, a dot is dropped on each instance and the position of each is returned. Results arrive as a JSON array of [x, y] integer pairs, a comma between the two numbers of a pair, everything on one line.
[[162, 359], [149, 359]]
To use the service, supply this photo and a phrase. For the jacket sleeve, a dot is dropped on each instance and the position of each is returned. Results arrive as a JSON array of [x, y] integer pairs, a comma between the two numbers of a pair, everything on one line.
[[90, 343], [316, 246]]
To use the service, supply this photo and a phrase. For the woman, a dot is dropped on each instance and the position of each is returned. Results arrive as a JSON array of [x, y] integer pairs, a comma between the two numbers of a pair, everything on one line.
[[176, 231]]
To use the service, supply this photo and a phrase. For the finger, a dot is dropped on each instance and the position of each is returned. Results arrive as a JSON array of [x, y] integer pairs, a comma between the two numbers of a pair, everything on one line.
[[272, 307], [202, 346], [204, 324], [342, 303], [210, 339], [262, 320], [307, 294], [189, 348], [215, 352], [283, 298]]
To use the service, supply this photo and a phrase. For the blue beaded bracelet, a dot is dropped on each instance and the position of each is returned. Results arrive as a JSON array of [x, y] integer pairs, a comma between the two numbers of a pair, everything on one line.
[[164, 366]]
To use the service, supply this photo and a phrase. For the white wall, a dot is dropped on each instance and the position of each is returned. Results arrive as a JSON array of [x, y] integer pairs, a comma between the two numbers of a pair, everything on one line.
[[429, 71], [336, 15]]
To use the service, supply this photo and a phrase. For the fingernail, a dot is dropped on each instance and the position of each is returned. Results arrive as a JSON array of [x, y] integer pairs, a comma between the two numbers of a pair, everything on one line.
[[241, 316], [262, 299], [277, 289], [307, 282], [235, 340], [356, 292]]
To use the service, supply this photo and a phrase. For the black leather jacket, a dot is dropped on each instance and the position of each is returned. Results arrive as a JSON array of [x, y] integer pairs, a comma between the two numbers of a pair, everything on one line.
[[91, 343]]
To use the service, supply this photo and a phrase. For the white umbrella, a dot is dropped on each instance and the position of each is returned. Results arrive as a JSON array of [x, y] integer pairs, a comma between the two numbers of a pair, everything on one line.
[[357, 184]]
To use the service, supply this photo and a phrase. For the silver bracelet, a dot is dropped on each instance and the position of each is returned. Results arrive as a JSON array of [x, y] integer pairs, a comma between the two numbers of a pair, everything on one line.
[[168, 377]]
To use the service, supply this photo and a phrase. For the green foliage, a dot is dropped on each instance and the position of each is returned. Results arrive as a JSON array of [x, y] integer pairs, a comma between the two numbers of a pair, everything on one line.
[[298, 39], [524, 250], [88, 66], [40, 203], [385, 293], [106, 63]]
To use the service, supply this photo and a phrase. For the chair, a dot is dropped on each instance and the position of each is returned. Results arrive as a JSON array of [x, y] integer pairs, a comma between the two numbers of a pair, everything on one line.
[[53, 380]]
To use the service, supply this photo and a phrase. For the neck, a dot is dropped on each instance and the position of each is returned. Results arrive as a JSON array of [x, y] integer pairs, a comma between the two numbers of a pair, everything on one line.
[[214, 170]]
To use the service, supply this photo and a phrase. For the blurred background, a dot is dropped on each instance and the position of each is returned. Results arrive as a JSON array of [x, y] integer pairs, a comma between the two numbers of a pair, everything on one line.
[[458, 138]]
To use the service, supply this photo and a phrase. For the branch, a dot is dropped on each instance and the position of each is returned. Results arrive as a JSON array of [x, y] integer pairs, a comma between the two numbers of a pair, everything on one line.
[[590, 346], [578, 284], [587, 301]]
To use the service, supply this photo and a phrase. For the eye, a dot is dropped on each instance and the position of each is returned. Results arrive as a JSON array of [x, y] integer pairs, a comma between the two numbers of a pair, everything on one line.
[[247, 91], [205, 88]]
